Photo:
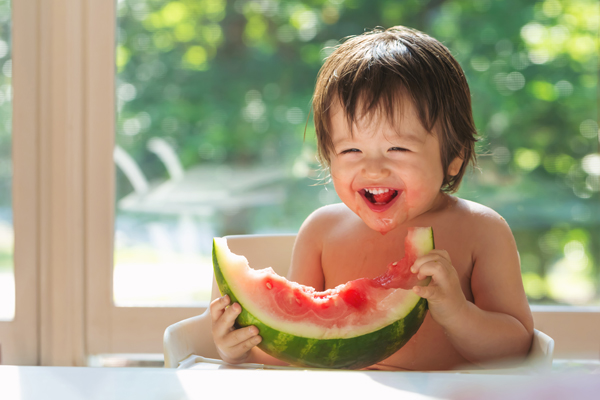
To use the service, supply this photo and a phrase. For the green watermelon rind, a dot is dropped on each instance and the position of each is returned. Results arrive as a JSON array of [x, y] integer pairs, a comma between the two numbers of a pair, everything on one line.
[[350, 353]]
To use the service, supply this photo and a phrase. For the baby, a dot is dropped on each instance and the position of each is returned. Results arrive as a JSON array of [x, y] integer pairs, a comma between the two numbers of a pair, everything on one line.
[[395, 129]]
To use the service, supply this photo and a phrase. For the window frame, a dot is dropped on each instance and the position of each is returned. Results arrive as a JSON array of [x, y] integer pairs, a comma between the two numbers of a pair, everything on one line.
[[19, 337]]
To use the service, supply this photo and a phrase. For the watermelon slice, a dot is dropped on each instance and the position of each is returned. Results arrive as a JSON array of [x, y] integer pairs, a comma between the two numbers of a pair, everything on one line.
[[354, 325]]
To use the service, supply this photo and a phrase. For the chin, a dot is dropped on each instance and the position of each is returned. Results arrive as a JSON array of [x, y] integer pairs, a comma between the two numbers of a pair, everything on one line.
[[382, 224]]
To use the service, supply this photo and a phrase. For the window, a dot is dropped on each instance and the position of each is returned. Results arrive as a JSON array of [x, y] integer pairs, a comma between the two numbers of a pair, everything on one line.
[[209, 91], [209, 141]]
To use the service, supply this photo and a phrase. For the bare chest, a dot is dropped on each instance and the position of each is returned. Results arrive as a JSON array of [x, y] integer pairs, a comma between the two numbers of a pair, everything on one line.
[[355, 256]]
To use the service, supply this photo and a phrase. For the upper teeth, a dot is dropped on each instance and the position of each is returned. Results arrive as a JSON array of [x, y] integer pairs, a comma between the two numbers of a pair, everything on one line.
[[377, 191]]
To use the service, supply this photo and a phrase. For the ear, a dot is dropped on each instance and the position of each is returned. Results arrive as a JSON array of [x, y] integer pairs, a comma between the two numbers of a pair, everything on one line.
[[455, 165]]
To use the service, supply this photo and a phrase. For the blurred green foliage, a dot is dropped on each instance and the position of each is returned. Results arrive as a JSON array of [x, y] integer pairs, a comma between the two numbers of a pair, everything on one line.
[[231, 82]]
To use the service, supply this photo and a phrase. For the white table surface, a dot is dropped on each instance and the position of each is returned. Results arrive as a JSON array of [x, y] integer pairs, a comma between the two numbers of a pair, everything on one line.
[[77, 383]]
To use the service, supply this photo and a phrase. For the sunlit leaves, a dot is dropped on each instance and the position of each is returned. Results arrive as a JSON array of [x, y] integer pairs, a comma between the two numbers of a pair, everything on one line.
[[591, 164], [213, 9], [212, 34], [534, 285], [570, 277], [122, 57], [543, 90], [306, 21], [527, 159], [534, 33], [564, 268], [163, 40], [256, 29], [175, 25], [582, 47], [173, 13], [232, 81], [564, 27], [195, 58], [558, 164], [185, 32], [330, 14]]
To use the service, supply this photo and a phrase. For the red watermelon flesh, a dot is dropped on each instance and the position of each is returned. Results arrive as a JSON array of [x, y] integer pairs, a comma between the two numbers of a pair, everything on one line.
[[346, 309]]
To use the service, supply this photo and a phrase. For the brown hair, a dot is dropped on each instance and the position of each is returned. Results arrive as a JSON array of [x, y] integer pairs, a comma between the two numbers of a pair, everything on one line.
[[377, 69]]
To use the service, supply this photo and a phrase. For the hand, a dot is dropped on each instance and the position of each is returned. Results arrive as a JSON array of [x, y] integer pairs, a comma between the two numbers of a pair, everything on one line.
[[234, 345], [444, 294]]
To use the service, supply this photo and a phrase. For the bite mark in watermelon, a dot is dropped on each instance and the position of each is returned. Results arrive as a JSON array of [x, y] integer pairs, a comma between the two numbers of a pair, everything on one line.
[[353, 325]]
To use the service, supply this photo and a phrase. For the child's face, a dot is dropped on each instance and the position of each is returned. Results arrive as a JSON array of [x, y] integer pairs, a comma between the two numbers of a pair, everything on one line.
[[386, 174]]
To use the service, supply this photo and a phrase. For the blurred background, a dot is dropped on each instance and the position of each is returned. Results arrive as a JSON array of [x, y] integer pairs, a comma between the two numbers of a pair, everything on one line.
[[212, 138]]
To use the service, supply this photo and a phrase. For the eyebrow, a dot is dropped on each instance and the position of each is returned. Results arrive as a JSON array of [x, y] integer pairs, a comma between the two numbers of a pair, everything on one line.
[[409, 136]]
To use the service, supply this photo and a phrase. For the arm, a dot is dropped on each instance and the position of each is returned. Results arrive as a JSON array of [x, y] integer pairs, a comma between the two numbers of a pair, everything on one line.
[[498, 325], [306, 266]]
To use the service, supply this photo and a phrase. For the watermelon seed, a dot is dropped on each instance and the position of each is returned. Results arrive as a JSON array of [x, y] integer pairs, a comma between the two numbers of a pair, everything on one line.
[[269, 286], [395, 263]]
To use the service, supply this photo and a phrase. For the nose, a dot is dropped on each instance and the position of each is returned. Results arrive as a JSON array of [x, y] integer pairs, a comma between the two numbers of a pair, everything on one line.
[[375, 168]]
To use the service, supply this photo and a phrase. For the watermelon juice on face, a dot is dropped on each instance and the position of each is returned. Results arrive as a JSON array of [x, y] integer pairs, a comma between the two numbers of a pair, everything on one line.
[[394, 126]]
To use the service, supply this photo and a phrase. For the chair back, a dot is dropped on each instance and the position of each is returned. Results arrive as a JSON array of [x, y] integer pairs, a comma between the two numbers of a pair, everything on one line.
[[262, 251], [542, 350]]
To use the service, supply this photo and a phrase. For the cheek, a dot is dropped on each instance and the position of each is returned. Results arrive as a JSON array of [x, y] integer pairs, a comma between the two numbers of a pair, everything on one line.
[[342, 186], [424, 186], [341, 176]]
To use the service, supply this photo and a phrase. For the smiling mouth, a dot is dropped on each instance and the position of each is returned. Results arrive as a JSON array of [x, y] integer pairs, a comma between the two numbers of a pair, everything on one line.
[[379, 196]]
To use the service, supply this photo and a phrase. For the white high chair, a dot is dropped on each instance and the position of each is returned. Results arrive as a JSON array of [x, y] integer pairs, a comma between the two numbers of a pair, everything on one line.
[[193, 336]]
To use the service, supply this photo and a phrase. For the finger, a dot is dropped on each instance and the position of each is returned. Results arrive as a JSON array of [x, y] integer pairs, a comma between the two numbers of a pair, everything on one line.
[[245, 346], [433, 255], [217, 307], [238, 352], [442, 253], [436, 269], [419, 262], [225, 323], [425, 292], [237, 336]]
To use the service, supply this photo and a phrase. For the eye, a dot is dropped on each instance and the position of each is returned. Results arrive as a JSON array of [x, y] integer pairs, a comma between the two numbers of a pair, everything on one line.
[[350, 151], [401, 149]]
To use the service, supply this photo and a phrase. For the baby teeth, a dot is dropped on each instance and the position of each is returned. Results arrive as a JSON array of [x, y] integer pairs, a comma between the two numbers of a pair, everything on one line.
[[377, 191]]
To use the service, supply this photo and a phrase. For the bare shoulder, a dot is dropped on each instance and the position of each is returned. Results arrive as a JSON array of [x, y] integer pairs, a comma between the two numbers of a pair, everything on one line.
[[331, 211], [326, 218], [480, 219], [476, 232], [476, 210]]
